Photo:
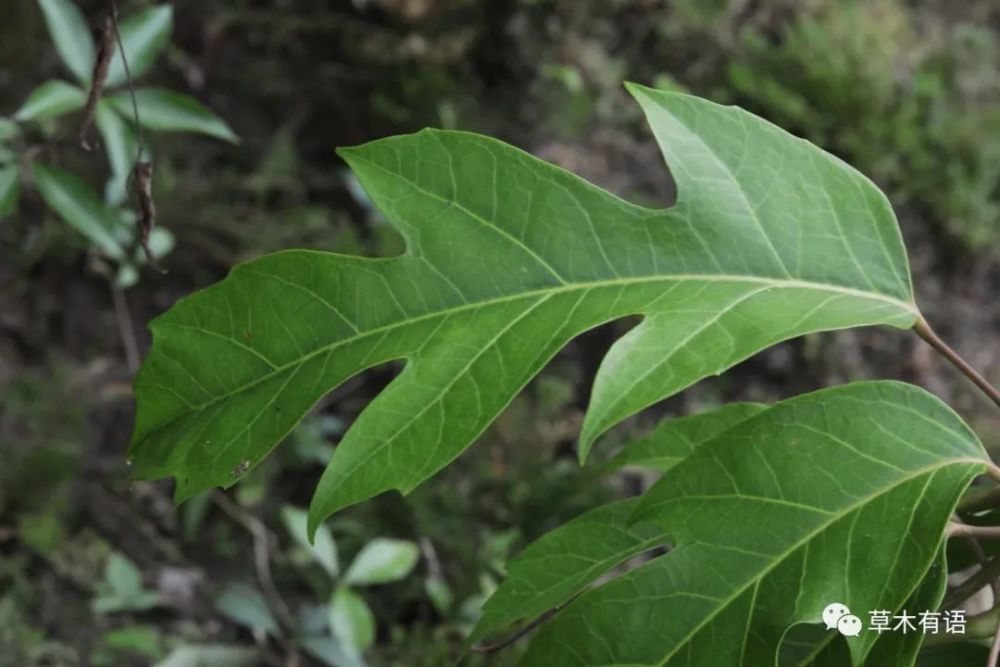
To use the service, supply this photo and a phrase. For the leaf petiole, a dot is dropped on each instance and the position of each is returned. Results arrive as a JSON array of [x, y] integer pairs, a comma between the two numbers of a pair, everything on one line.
[[923, 329]]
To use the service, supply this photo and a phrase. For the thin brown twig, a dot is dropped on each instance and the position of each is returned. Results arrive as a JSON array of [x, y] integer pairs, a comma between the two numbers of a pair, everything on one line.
[[923, 329], [955, 529], [143, 181], [993, 471], [985, 573], [518, 634], [125, 329], [973, 584], [128, 81], [980, 502], [983, 559], [262, 564], [507, 641], [98, 78], [431, 557], [262, 556], [108, 510], [141, 176]]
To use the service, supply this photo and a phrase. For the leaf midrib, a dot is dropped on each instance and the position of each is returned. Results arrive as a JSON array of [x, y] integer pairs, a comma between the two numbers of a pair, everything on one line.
[[848, 510], [551, 290]]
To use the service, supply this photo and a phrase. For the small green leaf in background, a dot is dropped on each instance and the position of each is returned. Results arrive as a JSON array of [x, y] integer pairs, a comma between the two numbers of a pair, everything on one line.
[[50, 100], [351, 621], [78, 206], [120, 143], [323, 548], [161, 242], [122, 574], [133, 640], [167, 111], [8, 129], [382, 560], [71, 36], [439, 593], [143, 35], [244, 605], [214, 655], [42, 531], [10, 189], [330, 652], [122, 588]]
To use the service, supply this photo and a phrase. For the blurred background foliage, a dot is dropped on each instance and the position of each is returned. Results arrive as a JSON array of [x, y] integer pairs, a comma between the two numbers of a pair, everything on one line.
[[97, 569]]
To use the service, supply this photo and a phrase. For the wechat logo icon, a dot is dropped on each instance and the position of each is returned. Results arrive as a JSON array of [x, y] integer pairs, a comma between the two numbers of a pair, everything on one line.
[[838, 617]]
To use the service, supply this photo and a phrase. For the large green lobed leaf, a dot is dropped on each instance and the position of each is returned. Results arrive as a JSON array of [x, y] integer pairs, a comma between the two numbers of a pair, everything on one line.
[[508, 259], [565, 561], [837, 496], [571, 557], [673, 440]]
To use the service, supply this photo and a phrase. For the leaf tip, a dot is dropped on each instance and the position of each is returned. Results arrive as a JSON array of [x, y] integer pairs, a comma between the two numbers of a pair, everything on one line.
[[345, 152], [647, 94], [635, 89], [583, 445], [183, 490], [350, 155], [314, 520], [594, 426]]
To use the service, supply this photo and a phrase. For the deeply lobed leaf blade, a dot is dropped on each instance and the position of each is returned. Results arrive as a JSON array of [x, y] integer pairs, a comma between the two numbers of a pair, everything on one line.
[[673, 440], [508, 259], [571, 557], [563, 562], [841, 496]]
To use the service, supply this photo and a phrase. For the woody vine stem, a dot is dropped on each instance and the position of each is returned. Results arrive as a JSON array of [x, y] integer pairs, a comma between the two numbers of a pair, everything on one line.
[[141, 177], [128, 81]]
